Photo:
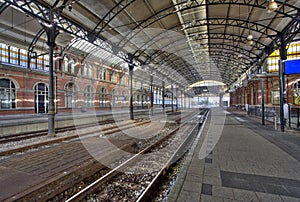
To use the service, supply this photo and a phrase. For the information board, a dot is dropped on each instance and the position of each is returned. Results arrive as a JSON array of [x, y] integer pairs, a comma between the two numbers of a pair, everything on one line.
[[292, 67]]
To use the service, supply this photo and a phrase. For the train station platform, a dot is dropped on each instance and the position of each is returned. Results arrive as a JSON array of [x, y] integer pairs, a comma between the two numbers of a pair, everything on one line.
[[250, 162], [31, 123]]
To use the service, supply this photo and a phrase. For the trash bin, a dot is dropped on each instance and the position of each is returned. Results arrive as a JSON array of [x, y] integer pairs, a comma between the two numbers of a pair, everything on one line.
[[83, 108]]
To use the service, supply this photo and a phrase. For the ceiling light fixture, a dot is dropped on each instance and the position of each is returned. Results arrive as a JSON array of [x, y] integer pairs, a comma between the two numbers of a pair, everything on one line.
[[70, 7], [272, 6], [249, 37]]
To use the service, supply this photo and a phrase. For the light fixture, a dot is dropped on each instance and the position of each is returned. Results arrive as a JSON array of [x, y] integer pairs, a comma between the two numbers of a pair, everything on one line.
[[70, 7], [249, 37], [250, 42], [272, 6]]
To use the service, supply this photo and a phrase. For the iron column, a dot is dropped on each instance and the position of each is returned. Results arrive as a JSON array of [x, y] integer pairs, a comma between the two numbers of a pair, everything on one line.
[[51, 34], [131, 67], [163, 96], [172, 98], [151, 94], [283, 56], [262, 102]]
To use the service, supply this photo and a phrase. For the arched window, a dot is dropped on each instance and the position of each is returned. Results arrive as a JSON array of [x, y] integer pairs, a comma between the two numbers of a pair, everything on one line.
[[89, 96], [41, 98], [123, 80], [72, 66], [114, 98], [65, 64], [7, 94], [98, 74], [71, 95], [138, 99], [296, 89], [103, 97], [114, 77], [88, 71], [103, 74]]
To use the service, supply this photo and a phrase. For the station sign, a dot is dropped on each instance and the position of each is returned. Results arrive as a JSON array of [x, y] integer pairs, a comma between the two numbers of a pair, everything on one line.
[[292, 67]]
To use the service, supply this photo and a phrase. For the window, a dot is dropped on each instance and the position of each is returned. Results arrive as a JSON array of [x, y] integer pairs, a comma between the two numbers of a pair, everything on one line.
[[114, 77], [123, 98], [90, 71], [275, 97], [272, 64], [123, 80], [293, 51], [41, 98], [89, 96], [33, 62], [103, 74], [72, 66], [296, 89], [71, 95], [40, 62], [87, 70], [99, 72], [103, 97], [23, 58], [65, 66], [46, 62], [4, 52], [7, 94], [14, 55], [114, 98]]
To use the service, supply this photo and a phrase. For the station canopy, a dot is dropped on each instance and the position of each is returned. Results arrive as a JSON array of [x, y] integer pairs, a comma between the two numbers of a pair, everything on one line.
[[178, 42]]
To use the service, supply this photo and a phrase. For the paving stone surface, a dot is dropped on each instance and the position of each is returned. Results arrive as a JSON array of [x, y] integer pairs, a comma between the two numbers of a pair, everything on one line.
[[250, 162]]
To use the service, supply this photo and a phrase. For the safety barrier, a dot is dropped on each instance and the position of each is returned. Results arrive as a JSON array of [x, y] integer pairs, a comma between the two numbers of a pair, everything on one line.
[[272, 114]]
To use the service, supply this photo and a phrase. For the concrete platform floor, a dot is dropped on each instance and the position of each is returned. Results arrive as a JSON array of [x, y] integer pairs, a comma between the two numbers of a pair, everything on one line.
[[250, 162]]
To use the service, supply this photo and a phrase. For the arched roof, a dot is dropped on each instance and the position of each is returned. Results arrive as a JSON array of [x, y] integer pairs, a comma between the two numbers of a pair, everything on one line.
[[176, 41]]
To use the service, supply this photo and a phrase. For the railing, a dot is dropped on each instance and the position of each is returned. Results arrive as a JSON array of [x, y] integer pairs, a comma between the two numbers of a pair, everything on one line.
[[272, 113]]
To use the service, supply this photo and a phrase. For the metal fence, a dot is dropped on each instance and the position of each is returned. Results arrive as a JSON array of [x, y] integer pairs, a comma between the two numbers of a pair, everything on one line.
[[272, 113]]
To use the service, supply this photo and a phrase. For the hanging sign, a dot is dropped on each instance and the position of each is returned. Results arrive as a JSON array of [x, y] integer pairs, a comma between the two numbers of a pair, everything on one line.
[[292, 67]]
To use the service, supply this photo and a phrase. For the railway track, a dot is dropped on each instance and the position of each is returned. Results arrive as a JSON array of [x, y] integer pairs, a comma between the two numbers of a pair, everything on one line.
[[73, 134], [28, 135], [40, 133], [68, 184], [135, 179], [26, 141]]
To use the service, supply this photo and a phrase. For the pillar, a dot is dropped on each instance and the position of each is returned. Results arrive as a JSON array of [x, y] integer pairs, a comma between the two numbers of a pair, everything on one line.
[[131, 67]]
